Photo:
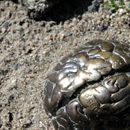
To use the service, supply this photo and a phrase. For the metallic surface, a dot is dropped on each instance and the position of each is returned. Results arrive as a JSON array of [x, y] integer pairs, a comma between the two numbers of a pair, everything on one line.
[[90, 90]]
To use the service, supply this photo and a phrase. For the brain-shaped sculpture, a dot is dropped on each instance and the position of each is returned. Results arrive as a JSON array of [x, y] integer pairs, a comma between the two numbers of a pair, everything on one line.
[[90, 89]]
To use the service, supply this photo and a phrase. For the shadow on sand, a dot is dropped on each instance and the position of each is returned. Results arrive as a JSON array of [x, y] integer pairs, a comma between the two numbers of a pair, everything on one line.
[[63, 11]]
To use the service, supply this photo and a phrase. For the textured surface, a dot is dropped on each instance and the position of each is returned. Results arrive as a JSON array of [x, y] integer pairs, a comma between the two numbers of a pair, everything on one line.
[[29, 50], [36, 8], [70, 98]]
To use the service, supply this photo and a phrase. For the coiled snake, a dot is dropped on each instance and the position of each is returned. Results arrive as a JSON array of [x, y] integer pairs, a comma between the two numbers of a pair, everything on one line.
[[90, 89]]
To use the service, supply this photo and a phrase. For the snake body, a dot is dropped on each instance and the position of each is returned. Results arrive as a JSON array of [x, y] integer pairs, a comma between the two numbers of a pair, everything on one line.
[[90, 89]]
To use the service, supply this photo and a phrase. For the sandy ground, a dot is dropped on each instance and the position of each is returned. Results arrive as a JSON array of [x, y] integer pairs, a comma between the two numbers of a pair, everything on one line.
[[29, 49]]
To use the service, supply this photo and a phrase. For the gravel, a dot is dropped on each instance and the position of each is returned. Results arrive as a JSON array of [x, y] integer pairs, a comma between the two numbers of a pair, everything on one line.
[[29, 50]]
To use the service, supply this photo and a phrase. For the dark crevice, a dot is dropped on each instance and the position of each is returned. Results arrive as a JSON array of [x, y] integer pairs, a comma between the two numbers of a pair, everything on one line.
[[27, 125], [10, 117], [62, 11], [29, 51], [15, 1], [0, 122]]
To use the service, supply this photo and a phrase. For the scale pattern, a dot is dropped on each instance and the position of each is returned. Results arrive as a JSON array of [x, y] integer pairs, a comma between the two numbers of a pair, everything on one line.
[[90, 88]]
